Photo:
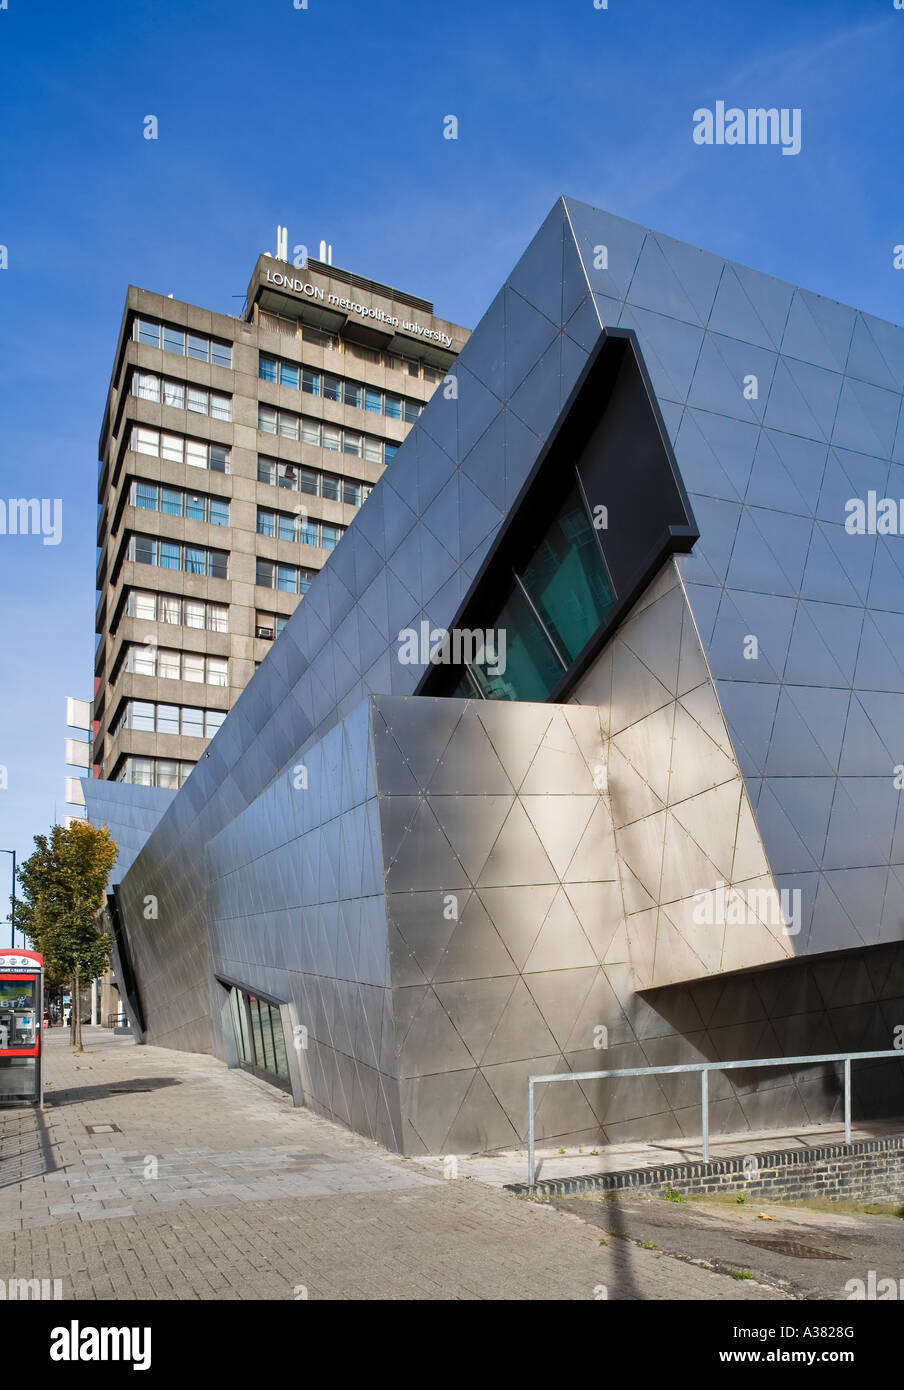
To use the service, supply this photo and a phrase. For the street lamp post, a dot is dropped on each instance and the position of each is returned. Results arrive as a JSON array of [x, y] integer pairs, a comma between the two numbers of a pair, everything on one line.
[[12, 905]]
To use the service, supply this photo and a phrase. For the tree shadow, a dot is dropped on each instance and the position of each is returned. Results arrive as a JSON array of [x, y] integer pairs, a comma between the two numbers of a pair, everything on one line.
[[73, 1094]]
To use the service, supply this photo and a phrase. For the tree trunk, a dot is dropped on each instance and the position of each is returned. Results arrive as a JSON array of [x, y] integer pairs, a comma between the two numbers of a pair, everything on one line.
[[77, 1015]]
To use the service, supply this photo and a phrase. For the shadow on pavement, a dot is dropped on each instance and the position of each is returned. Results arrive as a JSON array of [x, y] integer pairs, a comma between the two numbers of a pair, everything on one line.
[[28, 1153], [108, 1091]]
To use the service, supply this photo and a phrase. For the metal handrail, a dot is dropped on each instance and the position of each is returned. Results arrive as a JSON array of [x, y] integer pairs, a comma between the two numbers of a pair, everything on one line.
[[704, 1068]]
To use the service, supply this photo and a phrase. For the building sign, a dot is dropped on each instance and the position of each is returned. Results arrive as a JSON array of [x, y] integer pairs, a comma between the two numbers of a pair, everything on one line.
[[351, 306], [292, 282]]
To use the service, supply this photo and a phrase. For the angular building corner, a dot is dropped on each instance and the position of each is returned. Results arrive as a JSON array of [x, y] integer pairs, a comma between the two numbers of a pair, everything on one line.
[[664, 828]]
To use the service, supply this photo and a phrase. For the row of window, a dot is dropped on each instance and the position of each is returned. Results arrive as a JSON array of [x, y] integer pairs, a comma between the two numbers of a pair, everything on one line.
[[143, 716], [336, 388], [215, 457], [173, 555], [287, 526], [181, 612], [173, 501], [291, 426], [311, 481], [177, 449], [181, 395], [289, 578], [269, 625], [154, 772], [294, 328], [197, 454], [181, 341], [259, 1037], [147, 659]]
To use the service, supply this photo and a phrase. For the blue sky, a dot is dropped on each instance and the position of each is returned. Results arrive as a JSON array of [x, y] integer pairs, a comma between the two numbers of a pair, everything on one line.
[[330, 120]]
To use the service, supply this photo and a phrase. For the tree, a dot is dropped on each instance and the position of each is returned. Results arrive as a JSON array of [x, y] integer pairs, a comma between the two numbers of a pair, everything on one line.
[[64, 882]]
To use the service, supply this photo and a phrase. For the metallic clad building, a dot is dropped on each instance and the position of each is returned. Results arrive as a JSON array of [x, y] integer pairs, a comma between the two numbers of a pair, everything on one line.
[[666, 828]]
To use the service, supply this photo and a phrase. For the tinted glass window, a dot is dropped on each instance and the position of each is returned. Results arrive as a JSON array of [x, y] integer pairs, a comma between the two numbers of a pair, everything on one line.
[[529, 666], [567, 581]]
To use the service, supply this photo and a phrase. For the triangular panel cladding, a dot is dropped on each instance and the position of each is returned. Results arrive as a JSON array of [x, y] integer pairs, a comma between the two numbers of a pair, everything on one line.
[[515, 798], [469, 894], [538, 277]]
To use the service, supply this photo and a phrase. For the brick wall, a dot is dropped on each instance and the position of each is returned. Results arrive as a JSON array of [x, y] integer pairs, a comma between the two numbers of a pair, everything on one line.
[[867, 1170]]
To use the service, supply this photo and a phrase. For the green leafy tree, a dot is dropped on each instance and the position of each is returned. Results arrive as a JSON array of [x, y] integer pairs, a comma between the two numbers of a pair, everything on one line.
[[64, 883]]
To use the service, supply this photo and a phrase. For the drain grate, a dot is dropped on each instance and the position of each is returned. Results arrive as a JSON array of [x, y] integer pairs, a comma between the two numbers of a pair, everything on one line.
[[796, 1250], [103, 1129]]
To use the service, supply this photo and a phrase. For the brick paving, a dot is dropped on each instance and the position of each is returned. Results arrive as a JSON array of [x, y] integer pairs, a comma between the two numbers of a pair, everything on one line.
[[211, 1186]]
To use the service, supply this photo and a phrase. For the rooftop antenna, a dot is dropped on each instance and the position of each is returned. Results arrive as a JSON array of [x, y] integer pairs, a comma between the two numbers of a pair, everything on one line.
[[326, 253], [282, 243]]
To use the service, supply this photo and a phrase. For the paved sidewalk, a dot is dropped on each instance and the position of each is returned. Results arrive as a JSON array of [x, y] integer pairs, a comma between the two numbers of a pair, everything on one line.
[[202, 1183]]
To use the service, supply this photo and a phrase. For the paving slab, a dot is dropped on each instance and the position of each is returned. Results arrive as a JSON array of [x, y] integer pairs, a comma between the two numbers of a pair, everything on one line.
[[212, 1186]]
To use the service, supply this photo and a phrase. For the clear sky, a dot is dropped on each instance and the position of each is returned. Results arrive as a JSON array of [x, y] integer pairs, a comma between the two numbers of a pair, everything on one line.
[[330, 119]]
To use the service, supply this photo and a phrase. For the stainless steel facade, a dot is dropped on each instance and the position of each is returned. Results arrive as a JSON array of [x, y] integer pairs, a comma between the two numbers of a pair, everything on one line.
[[129, 812], [759, 765]]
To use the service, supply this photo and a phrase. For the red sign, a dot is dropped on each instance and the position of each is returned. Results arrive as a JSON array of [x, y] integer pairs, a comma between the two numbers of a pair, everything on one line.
[[12, 958]]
